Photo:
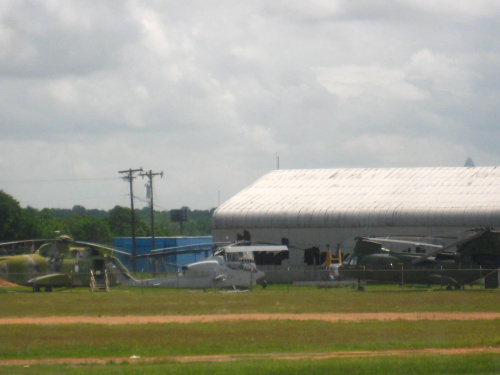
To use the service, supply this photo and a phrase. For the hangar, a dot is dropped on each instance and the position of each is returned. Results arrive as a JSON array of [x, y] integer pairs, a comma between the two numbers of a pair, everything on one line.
[[313, 210]]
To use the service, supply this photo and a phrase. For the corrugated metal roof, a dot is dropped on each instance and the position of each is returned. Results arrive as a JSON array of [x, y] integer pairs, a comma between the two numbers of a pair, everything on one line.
[[366, 197]]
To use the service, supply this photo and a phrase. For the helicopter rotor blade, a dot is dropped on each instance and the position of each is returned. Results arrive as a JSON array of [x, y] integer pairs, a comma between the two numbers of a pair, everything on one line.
[[449, 246], [416, 243], [256, 248], [27, 241], [182, 248], [167, 253], [100, 246]]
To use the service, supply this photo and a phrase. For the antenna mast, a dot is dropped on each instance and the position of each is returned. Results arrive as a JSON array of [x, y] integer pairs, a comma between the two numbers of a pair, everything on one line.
[[150, 176]]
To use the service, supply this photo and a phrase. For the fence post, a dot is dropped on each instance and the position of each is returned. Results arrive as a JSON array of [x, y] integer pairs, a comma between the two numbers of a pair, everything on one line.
[[177, 280], [481, 277], [288, 279], [142, 281], [441, 277], [402, 277]]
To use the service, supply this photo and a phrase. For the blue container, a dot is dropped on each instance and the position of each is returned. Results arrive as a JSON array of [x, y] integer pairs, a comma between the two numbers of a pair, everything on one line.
[[167, 263]]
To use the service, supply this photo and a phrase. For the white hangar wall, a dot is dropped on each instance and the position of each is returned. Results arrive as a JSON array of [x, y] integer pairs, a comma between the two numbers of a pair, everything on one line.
[[320, 207]]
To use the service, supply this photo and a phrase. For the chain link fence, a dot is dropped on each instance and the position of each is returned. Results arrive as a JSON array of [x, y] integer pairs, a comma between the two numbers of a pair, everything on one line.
[[310, 276]]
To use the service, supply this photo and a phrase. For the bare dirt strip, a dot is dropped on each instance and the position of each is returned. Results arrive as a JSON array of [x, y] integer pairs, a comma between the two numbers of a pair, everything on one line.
[[328, 317], [246, 357]]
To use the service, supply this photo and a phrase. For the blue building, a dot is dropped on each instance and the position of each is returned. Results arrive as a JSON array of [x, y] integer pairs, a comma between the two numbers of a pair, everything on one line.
[[167, 262]]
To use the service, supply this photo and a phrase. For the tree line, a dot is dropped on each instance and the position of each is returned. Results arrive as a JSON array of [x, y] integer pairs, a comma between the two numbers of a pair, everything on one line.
[[17, 223]]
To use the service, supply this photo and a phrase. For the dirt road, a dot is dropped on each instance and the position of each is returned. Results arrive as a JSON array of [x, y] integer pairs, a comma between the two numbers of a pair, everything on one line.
[[246, 357], [328, 317]]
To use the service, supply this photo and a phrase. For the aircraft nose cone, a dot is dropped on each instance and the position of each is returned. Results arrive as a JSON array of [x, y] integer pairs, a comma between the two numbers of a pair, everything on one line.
[[260, 275]]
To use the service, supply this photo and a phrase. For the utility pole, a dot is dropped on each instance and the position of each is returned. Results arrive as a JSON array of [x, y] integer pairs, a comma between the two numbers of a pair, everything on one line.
[[130, 177], [150, 176]]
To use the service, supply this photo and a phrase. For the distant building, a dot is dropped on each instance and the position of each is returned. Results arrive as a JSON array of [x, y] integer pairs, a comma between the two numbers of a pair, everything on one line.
[[311, 210], [469, 162], [166, 263]]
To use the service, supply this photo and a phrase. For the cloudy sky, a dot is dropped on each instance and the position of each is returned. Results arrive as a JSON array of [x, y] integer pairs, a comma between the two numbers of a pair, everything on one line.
[[210, 92]]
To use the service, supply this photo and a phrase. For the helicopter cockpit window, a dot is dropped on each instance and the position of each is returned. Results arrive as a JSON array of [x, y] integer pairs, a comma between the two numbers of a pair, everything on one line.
[[240, 256], [85, 253], [95, 252]]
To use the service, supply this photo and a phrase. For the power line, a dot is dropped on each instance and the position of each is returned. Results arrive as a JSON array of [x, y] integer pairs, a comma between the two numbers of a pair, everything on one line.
[[58, 180]]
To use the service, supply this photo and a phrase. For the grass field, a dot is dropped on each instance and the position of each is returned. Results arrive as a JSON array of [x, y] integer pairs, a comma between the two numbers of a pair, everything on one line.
[[477, 364], [274, 299], [249, 346]]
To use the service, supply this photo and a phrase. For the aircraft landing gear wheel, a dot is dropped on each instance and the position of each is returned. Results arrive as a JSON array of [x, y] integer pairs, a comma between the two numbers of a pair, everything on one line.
[[48, 289], [36, 289], [361, 288]]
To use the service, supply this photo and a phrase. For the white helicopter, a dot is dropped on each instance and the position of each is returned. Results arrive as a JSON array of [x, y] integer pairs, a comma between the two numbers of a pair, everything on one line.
[[232, 266]]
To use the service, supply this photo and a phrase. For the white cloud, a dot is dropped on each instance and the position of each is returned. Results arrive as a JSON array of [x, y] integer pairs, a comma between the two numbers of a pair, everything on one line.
[[210, 91], [440, 73], [458, 9], [354, 81]]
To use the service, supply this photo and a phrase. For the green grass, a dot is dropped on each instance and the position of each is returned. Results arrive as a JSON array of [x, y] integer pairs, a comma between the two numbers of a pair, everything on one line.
[[275, 299], [251, 337], [243, 337], [483, 364]]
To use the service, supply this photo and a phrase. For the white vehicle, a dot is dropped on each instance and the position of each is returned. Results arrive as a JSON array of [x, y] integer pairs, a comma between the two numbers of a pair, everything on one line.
[[229, 267]]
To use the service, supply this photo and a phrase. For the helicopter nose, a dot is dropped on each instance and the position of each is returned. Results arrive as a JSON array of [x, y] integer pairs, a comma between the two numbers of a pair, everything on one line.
[[259, 275]]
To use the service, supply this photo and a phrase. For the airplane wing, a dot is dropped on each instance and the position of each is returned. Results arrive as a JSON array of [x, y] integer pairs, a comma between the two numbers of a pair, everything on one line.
[[53, 279]]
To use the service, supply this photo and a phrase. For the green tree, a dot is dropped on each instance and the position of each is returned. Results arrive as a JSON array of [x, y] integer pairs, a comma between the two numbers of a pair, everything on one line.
[[119, 221], [10, 217], [31, 226], [92, 225], [87, 228], [51, 225], [79, 210]]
